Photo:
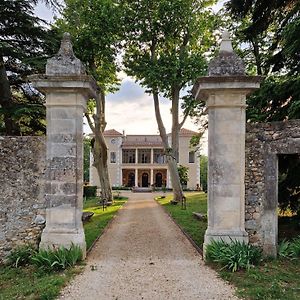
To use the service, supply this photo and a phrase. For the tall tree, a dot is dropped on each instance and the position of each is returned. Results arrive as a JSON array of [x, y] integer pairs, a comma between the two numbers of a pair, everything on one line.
[[24, 46], [269, 32], [94, 26], [165, 46]]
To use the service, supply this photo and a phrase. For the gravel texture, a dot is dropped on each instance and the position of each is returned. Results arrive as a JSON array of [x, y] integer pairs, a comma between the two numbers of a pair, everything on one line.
[[144, 255]]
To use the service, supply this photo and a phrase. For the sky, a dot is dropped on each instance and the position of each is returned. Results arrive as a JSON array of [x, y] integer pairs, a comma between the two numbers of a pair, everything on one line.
[[131, 109]]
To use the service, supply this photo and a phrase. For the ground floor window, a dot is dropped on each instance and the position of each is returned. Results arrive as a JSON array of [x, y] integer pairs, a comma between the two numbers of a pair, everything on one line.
[[113, 157]]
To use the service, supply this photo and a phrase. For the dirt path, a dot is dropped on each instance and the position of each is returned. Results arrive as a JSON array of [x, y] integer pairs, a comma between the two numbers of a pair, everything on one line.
[[143, 255]]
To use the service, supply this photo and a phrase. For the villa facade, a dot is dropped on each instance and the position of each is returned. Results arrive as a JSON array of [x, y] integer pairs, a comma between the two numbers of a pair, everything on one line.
[[139, 160]]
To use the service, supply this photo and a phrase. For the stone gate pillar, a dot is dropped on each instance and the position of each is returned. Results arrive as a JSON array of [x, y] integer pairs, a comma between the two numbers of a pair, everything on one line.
[[67, 88], [225, 91]]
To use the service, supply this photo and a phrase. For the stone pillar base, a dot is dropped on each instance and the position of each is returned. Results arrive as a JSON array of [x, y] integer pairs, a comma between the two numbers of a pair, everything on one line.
[[270, 250], [56, 239], [224, 235]]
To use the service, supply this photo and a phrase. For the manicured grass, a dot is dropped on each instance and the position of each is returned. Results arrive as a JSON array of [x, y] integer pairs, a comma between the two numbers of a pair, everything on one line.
[[32, 284], [100, 219], [273, 279], [195, 202], [276, 279]]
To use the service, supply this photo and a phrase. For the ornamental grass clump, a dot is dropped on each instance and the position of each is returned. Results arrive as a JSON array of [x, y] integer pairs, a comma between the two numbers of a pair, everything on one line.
[[233, 256], [21, 256], [289, 249], [57, 259]]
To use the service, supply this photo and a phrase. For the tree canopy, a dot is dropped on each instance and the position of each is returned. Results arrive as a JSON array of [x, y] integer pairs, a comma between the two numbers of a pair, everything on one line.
[[269, 34], [25, 43]]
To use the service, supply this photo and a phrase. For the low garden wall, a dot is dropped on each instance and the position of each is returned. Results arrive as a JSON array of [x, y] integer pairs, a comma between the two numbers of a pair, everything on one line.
[[22, 205], [264, 142]]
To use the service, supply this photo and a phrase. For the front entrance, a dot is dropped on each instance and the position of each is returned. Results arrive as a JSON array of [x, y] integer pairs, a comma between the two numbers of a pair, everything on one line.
[[131, 179], [145, 180], [158, 179]]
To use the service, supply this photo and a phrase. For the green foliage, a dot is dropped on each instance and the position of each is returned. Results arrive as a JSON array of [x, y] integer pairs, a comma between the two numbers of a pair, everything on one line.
[[29, 283], [276, 100], [183, 174], [95, 27], [166, 42], [233, 256], [269, 34], [25, 43], [289, 249], [284, 249], [203, 172], [21, 256], [57, 259], [295, 247], [89, 191]]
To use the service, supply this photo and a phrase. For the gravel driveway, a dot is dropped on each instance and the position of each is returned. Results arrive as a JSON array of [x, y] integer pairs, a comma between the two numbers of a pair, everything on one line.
[[144, 255]]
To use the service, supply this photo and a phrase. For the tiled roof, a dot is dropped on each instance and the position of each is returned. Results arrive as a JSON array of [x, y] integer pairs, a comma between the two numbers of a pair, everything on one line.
[[112, 132], [187, 132], [142, 144]]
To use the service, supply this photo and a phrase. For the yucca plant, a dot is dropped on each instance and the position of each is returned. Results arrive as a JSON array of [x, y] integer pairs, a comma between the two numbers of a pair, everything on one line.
[[284, 249], [21, 255], [233, 256], [57, 259], [295, 247]]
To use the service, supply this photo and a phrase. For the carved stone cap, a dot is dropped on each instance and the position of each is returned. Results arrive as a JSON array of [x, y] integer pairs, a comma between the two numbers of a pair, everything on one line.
[[65, 62], [227, 63]]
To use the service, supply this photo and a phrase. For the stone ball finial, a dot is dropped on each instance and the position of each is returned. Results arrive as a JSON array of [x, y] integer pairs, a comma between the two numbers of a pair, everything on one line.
[[65, 62], [227, 63]]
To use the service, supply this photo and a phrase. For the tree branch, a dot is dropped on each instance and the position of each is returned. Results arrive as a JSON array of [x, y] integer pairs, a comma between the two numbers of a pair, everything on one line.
[[90, 122]]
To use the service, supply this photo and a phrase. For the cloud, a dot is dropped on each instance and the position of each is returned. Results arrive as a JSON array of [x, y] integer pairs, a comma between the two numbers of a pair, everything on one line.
[[129, 92]]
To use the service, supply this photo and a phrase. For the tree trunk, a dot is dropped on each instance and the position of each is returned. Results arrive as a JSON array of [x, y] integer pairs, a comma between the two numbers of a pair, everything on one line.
[[175, 122], [6, 103], [100, 163], [171, 160], [100, 149], [256, 53]]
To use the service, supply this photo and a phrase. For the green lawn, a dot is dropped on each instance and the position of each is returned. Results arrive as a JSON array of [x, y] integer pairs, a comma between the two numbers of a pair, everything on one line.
[[32, 284], [274, 279]]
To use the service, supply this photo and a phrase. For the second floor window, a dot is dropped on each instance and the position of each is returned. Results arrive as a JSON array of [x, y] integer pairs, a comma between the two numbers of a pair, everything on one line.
[[128, 156], [159, 157], [144, 156]]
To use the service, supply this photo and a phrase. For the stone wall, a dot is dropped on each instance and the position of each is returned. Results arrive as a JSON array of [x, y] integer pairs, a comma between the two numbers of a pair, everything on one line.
[[264, 141], [22, 205]]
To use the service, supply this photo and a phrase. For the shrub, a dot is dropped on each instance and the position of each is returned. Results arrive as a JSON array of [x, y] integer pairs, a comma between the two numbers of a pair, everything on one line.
[[57, 259], [116, 188], [295, 247], [284, 249], [21, 255], [289, 249], [89, 191], [233, 256]]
